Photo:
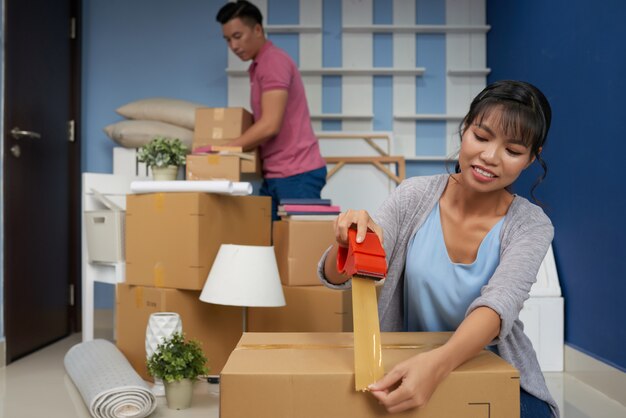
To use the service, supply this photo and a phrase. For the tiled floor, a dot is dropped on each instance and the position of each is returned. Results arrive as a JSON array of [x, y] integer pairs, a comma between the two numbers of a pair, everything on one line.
[[37, 386]]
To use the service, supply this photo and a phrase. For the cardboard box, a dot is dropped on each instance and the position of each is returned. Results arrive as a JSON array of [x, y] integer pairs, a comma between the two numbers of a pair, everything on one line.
[[299, 245], [308, 309], [173, 238], [229, 167], [312, 375], [217, 126], [216, 327]]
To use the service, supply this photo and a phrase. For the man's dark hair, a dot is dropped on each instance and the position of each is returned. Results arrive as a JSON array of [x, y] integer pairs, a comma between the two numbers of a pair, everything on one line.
[[242, 9]]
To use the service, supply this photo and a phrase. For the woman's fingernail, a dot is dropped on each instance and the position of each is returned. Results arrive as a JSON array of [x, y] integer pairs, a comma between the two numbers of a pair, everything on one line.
[[359, 239]]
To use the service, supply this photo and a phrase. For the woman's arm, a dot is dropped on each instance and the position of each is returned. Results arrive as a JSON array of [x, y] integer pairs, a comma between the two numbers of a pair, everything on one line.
[[420, 375]]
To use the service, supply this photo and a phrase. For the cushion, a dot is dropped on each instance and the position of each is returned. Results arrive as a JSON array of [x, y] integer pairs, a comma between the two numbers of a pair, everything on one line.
[[136, 133], [176, 112]]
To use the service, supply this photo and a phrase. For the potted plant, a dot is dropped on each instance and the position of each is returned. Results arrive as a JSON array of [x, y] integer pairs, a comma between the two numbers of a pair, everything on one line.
[[178, 362], [163, 155]]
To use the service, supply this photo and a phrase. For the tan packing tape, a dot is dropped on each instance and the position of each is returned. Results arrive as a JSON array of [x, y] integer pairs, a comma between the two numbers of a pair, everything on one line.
[[217, 133], [368, 360], [218, 113]]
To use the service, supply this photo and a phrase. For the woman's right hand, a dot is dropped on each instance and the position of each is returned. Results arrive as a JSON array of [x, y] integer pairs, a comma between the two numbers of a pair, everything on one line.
[[362, 221], [358, 219]]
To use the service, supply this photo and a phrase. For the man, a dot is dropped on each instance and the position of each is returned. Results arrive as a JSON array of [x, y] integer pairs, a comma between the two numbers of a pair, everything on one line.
[[292, 164]]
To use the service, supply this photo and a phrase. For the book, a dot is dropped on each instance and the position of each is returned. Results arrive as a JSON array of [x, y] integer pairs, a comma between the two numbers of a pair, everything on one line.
[[284, 213], [308, 217], [309, 208], [299, 201]]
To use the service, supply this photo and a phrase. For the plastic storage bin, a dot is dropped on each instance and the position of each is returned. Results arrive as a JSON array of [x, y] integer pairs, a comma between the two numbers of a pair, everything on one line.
[[105, 232]]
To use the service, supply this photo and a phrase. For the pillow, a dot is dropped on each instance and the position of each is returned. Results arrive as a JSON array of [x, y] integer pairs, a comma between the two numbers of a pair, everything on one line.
[[136, 133], [176, 112]]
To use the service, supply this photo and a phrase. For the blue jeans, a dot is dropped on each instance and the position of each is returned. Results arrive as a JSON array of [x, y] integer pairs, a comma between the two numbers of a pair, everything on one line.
[[532, 407], [306, 185]]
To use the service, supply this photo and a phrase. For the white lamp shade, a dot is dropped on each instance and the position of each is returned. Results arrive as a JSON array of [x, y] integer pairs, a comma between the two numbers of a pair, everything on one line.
[[244, 275]]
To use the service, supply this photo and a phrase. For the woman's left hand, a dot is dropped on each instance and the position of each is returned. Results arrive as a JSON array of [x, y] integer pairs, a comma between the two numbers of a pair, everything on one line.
[[410, 384]]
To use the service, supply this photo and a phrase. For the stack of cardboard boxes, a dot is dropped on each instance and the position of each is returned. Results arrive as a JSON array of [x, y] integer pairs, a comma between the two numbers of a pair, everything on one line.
[[172, 240], [311, 307], [217, 126]]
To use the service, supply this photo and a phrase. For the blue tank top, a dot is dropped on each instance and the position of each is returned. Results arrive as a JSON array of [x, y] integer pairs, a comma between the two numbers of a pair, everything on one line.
[[437, 292]]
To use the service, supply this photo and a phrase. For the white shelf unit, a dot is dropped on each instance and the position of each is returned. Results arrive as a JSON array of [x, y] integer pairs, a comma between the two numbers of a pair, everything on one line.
[[429, 117], [115, 188], [341, 116], [469, 72], [543, 316], [371, 71], [463, 29], [292, 29]]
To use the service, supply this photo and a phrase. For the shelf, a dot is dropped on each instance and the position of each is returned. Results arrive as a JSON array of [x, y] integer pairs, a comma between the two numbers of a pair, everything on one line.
[[429, 158], [292, 29], [341, 116], [469, 72], [428, 117], [417, 29], [417, 71]]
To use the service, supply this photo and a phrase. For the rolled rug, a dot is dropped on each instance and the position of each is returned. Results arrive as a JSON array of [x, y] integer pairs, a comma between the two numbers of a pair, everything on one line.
[[242, 188], [208, 186], [107, 382]]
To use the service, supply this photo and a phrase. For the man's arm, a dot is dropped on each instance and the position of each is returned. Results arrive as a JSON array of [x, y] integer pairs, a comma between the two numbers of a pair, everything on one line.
[[273, 105]]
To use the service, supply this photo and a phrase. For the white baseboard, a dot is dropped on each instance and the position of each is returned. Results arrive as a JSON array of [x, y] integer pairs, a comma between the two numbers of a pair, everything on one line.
[[604, 378], [3, 352]]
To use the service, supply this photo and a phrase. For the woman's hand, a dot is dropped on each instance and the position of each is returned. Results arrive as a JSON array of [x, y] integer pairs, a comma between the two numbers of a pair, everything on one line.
[[410, 384], [361, 219]]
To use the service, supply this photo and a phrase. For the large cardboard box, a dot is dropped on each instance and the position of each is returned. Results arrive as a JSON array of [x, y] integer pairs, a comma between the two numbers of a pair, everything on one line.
[[229, 167], [311, 375], [218, 125], [308, 309], [299, 245], [173, 238], [216, 327]]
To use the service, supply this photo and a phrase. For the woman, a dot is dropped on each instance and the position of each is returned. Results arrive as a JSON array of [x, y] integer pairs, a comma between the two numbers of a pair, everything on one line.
[[463, 252]]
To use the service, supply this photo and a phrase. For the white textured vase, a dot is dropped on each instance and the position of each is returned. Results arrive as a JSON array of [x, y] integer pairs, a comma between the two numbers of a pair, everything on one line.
[[161, 326]]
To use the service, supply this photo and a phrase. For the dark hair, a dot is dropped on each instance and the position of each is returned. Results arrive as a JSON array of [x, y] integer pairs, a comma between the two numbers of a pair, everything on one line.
[[242, 9], [526, 114]]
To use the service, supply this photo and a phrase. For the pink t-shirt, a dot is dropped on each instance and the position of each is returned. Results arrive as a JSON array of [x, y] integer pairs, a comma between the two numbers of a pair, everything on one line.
[[295, 149]]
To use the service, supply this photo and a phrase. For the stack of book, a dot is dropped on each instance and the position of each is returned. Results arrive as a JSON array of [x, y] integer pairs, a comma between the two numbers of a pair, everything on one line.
[[307, 210]]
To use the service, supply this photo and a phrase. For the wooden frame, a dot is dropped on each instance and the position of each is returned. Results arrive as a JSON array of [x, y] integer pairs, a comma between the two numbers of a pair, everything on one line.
[[378, 162]]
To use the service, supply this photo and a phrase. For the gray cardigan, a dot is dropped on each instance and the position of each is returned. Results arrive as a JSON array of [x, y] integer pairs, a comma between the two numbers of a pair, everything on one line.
[[525, 237]]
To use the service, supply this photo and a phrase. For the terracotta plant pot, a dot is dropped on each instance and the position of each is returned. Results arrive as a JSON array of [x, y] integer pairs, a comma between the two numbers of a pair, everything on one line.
[[179, 394]]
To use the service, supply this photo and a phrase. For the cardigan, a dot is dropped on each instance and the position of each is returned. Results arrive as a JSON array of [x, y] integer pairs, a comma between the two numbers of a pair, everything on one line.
[[525, 237]]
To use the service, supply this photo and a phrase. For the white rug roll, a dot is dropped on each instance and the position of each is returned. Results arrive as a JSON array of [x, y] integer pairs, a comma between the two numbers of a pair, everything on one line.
[[107, 382]]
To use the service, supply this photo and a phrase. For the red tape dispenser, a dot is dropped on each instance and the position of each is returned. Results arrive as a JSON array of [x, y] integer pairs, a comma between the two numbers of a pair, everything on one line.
[[366, 259]]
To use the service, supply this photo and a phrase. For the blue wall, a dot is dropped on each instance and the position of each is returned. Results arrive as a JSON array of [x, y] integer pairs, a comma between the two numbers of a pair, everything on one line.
[[138, 49], [575, 53]]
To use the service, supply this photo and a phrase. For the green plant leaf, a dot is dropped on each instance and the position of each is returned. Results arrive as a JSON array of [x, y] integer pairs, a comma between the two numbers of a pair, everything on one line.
[[163, 152], [176, 359]]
